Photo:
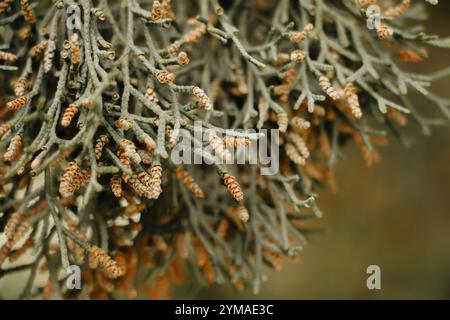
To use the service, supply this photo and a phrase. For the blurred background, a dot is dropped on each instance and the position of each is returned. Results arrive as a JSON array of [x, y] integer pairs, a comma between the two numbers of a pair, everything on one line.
[[395, 215]]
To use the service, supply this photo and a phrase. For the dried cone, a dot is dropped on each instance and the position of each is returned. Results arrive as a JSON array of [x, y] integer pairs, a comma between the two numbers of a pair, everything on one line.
[[352, 100], [17, 103], [384, 32], [38, 50], [300, 123], [155, 186], [4, 129], [275, 258], [398, 10], [99, 145], [189, 182], [298, 37], [183, 58], [49, 55], [219, 148], [4, 5], [145, 178], [208, 271], [234, 215], [116, 185], [12, 224], [159, 243], [107, 265], [146, 157], [236, 142], [137, 185], [72, 179], [298, 56], [149, 143], [174, 47], [195, 35], [325, 84], [397, 117], [123, 123], [14, 149], [19, 233], [292, 153], [222, 228], [17, 254], [181, 245], [68, 115], [233, 187], [156, 10], [25, 33], [282, 121], [300, 144], [20, 86], [28, 13], [166, 9], [75, 248], [409, 55], [127, 150], [242, 212], [172, 140], [8, 57], [164, 77], [202, 98], [75, 57], [151, 95]]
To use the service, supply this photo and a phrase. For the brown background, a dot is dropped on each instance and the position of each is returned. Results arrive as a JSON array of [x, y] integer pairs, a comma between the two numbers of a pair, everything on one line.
[[395, 215]]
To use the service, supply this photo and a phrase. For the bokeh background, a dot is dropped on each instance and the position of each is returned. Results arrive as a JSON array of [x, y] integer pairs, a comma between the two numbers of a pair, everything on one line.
[[395, 215]]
